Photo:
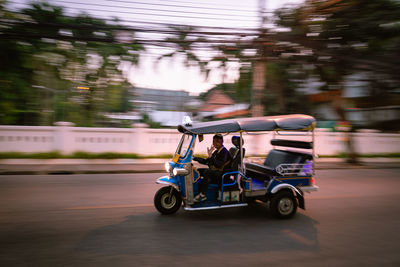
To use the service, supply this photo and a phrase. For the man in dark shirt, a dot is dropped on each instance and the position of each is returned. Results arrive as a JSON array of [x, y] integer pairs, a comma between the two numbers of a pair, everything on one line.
[[218, 162]]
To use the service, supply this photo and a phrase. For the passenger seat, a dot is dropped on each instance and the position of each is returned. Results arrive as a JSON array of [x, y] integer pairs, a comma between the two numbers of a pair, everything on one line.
[[235, 153]]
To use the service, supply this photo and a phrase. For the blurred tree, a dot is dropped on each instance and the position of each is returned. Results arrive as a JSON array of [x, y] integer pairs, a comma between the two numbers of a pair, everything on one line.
[[147, 120], [244, 83], [239, 91], [183, 43], [341, 37], [281, 96], [17, 105], [47, 57]]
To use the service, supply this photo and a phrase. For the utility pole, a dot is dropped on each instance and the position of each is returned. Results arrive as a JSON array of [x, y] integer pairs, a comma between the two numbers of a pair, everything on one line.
[[257, 109]]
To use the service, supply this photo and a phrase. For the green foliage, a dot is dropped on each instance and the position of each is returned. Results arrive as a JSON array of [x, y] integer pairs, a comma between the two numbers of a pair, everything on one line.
[[244, 84], [152, 124], [105, 155], [117, 98], [345, 36], [46, 56], [112, 155], [240, 91], [378, 155], [183, 41], [328, 40]]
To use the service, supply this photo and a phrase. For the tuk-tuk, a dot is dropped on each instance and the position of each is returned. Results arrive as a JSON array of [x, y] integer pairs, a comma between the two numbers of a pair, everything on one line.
[[287, 171]]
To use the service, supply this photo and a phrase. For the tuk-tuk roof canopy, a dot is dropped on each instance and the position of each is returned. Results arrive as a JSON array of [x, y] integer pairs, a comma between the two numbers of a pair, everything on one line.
[[255, 124]]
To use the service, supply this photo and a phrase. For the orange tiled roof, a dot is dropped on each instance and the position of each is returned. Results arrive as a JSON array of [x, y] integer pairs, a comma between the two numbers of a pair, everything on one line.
[[216, 99], [235, 113]]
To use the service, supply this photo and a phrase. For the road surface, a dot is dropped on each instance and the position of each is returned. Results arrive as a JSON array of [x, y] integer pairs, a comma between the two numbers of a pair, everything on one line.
[[109, 220]]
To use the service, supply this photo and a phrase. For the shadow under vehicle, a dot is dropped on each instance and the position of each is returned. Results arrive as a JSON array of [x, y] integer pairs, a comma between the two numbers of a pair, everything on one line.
[[281, 181]]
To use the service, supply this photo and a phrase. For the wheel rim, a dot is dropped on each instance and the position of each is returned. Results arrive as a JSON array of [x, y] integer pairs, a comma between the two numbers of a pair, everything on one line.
[[168, 201], [285, 206]]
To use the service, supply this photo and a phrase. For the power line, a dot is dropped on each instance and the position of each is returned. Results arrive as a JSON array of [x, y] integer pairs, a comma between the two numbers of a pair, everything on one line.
[[26, 35], [168, 15], [155, 14], [190, 6], [167, 24], [155, 9], [168, 44], [160, 22], [190, 32], [189, 2]]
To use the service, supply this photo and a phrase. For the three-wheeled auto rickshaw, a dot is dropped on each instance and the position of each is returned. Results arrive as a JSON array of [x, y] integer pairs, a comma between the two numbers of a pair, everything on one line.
[[286, 173]]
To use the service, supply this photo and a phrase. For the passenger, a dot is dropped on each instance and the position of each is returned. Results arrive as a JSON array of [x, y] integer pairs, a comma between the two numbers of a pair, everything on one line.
[[235, 153], [218, 162]]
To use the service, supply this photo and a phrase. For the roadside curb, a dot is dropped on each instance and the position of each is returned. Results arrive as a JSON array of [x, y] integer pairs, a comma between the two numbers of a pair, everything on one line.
[[117, 166], [75, 172]]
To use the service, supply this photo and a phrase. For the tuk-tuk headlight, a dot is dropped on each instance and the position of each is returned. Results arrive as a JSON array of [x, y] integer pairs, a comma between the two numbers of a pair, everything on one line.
[[167, 166], [180, 171]]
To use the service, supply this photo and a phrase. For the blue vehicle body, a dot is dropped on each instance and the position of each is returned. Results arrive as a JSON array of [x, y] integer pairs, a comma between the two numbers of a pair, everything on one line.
[[281, 180]]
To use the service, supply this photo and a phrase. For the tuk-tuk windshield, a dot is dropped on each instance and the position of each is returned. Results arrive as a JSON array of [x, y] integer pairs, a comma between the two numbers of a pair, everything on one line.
[[184, 145]]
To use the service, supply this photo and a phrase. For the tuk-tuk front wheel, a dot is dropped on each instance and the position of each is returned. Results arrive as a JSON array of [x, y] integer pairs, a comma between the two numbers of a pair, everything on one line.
[[167, 200], [283, 205]]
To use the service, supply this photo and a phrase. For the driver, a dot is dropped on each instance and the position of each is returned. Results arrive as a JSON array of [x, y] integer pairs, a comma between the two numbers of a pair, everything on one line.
[[218, 162]]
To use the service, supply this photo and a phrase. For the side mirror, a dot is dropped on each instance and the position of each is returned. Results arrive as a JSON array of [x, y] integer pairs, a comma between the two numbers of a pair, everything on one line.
[[187, 121]]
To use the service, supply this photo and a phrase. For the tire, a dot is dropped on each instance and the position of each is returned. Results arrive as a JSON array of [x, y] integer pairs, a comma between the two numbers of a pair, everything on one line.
[[283, 205], [167, 203]]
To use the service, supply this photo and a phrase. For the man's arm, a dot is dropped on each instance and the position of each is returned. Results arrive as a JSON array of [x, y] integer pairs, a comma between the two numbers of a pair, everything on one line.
[[220, 158], [201, 160]]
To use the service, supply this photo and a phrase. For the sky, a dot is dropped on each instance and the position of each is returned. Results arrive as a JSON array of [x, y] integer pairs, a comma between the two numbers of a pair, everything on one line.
[[171, 73]]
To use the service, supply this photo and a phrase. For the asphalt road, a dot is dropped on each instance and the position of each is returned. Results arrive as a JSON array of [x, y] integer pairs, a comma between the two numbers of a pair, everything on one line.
[[109, 220]]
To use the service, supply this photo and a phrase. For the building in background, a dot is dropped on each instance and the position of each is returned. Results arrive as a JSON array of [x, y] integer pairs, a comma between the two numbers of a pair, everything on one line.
[[366, 105], [146, 100], [216, 99], [218, 105], [166, 107]]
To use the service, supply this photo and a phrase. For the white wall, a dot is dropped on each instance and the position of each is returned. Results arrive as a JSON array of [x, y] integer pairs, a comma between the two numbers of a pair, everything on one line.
[[143, 141]]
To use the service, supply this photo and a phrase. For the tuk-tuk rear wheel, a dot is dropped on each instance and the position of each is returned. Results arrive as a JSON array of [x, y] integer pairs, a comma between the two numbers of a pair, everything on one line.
[[167, 200], [283, 205]]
